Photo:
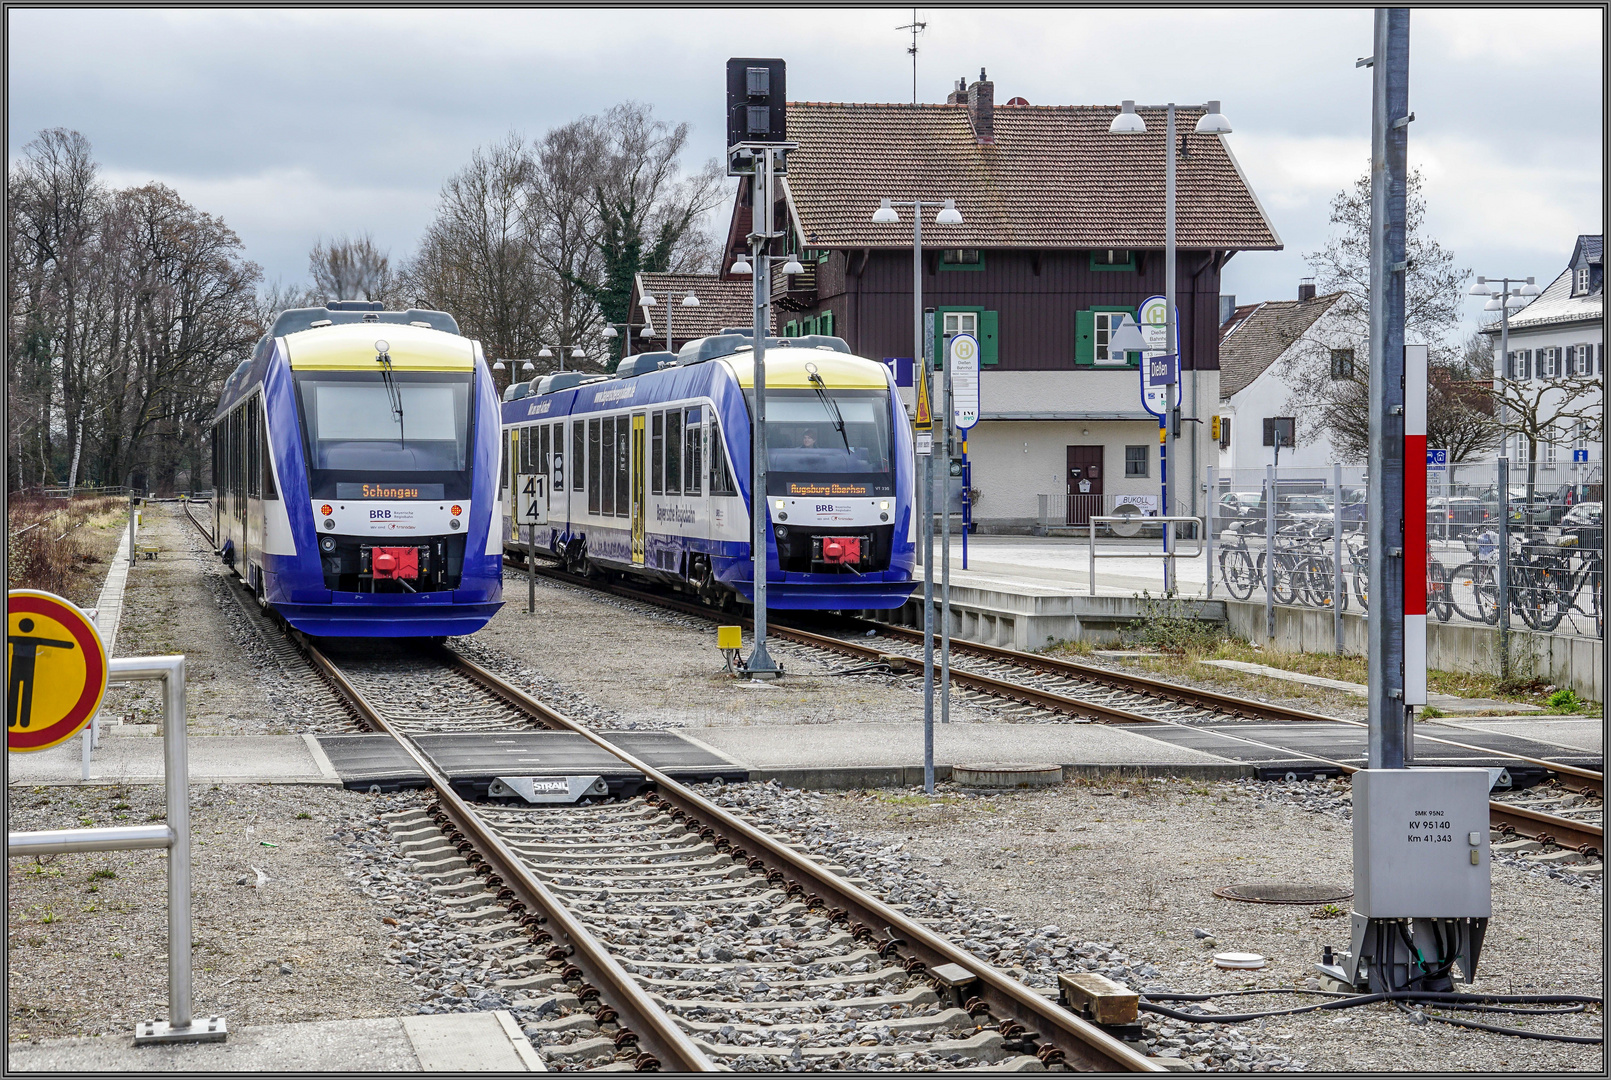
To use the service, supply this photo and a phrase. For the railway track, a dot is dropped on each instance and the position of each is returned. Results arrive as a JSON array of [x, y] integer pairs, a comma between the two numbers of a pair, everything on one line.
[[1085, 693], [684, 937]]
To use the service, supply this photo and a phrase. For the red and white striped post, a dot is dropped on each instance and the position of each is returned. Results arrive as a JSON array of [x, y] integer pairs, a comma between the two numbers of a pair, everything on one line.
[[1416, 547]]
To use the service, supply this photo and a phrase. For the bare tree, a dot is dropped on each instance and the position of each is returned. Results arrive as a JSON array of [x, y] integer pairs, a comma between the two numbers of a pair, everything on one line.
[[276, 297], [1548, 411], [1336, 398], [350, 269]]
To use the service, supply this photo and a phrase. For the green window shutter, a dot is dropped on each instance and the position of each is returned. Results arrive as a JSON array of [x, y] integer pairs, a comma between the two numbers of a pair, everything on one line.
[[987, 337], [791, 329], [1085, 338], [827, 322]]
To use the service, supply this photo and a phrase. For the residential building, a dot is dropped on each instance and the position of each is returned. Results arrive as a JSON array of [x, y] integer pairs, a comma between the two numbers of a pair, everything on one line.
[[1062, 233], [1561, 335], [1272, 355]]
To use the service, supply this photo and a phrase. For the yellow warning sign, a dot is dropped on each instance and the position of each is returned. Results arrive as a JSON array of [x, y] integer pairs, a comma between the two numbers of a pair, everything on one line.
[[55, 670], [925, 418]]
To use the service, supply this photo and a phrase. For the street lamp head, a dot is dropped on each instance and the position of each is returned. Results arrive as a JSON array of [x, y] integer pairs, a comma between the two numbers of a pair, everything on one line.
[[793, 266], [741, 265], [948, 214], [690, 300], [1213, 121], [545, 352], [1128, 122], [528, 366], [498, 365], [1515, 301], [1530, 289], [609, 332], [648, 300], [1492, 305], [578, 354], [647, 331], [885, 214], [1478, 288]]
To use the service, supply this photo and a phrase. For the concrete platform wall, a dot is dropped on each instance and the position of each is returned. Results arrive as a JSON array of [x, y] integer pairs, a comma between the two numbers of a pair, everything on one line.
[[1563, 659], [1030, 621]]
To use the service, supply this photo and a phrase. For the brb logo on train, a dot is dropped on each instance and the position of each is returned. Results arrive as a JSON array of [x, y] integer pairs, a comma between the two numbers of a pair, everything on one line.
[[55, 670]]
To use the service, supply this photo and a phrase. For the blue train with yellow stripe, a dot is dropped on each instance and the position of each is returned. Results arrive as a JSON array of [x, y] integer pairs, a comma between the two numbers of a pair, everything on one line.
[[355, 463], [647, 474]]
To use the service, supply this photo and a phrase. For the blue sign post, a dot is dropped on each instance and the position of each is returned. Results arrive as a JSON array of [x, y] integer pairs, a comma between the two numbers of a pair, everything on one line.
[[1437, 460], [1160, 392]]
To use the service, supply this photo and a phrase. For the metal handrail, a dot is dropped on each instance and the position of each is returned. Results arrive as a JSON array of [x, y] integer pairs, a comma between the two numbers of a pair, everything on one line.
[[1170, 554], [181, 1025]]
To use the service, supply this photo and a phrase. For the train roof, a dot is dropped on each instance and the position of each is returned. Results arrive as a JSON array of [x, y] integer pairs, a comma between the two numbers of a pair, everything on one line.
[[292, 320], [352, 346]]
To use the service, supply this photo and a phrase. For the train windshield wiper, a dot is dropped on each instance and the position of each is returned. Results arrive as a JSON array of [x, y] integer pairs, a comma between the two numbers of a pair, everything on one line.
[[830, 406], [394, 395]]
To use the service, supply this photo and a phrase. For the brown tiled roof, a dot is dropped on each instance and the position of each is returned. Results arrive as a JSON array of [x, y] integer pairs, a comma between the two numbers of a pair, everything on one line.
[[1256, 336], [1054, 178], [721, 303]]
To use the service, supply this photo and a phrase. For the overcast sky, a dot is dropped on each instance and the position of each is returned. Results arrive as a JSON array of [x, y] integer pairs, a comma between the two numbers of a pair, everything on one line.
[[297, 124]]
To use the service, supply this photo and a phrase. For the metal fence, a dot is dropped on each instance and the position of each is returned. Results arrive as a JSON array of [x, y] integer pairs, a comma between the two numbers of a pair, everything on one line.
[[1075, 511], [1298, 537]]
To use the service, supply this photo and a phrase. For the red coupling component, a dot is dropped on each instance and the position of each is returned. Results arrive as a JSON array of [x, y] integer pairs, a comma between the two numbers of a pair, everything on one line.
[[394, 563], [841, 549]]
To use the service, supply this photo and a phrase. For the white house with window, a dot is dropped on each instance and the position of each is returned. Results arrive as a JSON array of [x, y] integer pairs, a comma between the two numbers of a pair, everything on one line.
[[1561, 335], [1262, 348]]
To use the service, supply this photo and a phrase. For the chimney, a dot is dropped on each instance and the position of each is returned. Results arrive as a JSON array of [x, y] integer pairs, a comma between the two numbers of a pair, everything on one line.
[[1306, 289], [1227, 307], [959, 96], [982, 109]]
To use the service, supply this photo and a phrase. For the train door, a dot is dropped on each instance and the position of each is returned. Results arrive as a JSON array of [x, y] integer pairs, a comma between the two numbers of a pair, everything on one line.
[[512, 478], [640, 478]]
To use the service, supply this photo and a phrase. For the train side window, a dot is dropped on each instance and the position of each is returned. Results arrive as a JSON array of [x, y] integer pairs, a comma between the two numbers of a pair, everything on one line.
[[578, 455], [623, 466], [692, 432], [237, 460], [674, 452], [253, 465], [595, 466], [265, 458], [721, 478], [543, 449], [657, 453]]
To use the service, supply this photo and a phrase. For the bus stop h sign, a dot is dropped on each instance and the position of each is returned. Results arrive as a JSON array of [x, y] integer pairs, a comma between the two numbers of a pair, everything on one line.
[[964, 381]]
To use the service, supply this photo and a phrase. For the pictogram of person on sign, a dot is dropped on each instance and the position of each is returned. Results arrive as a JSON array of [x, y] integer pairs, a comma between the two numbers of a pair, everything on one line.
[[20, 688]]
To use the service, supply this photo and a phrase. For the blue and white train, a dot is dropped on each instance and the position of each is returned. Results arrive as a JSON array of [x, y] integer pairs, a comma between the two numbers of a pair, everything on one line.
[[355, 461], [648, 472]]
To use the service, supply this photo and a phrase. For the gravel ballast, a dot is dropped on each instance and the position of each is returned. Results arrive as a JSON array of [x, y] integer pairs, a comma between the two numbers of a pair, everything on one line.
[[87, 933]]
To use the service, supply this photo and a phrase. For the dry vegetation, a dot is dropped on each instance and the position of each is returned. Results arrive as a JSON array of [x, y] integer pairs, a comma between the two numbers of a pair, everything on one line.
[[62, 546]]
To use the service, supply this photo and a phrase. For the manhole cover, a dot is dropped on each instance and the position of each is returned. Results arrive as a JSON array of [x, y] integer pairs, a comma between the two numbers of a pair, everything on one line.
[[1282, 892], [1006, 775]]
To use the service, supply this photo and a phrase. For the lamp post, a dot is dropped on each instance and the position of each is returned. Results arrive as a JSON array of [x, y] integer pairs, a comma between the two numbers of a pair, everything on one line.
[[526, 367], [1498, 288], [611, 332], [649, 301], [948, 215], [577, 353], [1212, 122]]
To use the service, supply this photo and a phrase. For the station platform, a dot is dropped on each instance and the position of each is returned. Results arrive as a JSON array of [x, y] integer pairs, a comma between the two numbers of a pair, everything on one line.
[[488, 1042]]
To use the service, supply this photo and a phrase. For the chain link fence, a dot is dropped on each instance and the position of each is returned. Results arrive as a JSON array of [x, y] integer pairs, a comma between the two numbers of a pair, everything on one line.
[[1298, 537]]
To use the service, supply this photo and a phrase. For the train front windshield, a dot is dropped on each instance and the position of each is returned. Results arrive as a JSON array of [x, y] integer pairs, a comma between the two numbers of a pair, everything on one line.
[[826, 443], [370, 431]]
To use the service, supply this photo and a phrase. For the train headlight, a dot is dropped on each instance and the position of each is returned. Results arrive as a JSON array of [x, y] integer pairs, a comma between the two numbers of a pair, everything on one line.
[[782, 532], [453, 523], [884, 505], [457, 510], [329, 523], [327, 543]]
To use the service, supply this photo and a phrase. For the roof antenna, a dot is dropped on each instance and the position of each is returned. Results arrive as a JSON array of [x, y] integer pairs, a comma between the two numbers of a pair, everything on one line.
[[915, 27]]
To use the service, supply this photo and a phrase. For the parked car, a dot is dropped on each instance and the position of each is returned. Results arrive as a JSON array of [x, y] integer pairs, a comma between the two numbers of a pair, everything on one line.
[[1586, 520], [1449, 517], [1239, 506]]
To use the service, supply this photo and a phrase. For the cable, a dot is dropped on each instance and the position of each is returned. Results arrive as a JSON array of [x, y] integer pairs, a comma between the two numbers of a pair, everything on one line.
[[1519, 1033], [1448, 1000]]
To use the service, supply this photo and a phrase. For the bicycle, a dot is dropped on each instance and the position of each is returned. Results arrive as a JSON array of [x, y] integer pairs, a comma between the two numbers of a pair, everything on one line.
[[1236, 565]]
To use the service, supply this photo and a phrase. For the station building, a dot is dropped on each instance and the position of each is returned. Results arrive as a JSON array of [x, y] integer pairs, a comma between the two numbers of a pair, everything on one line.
[[1062, 233]]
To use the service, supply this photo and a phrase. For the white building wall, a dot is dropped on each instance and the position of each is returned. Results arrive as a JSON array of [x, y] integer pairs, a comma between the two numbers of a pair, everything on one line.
[[1265, 396]]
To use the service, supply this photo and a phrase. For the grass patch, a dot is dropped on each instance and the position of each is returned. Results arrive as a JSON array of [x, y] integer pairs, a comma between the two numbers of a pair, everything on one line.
[[61, 545]]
